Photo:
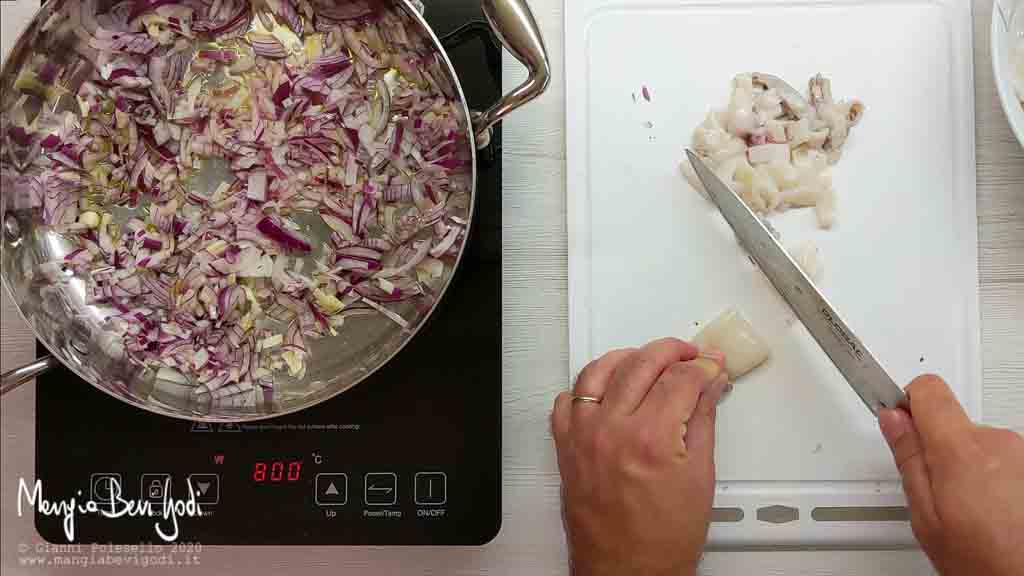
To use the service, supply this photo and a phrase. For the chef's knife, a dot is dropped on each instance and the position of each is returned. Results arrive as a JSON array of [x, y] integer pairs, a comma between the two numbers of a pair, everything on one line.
[[860, 368]]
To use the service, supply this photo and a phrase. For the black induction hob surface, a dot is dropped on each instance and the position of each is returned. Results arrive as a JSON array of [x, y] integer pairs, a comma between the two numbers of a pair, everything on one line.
[[412, 455]]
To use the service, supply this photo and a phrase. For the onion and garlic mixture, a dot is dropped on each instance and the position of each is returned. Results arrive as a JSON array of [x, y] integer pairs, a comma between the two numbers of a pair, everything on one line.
[[199, 149], [774, 147]]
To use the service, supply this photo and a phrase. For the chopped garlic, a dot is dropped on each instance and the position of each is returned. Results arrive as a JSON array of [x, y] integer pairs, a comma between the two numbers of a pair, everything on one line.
[[217, 247], [254, 304], [271, 342], [89, 219], [328, 303], [171, 375], [220, 192], [429, 269], [295, 362], [313, 46]]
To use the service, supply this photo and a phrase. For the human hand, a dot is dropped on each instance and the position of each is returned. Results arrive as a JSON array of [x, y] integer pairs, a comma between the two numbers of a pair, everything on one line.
[[964, 483], [638, 473]]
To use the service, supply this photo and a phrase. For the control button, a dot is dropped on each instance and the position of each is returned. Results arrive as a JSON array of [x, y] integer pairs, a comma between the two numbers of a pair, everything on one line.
[[230, 427], [105, 486], [431, 488], [331, 489], [380, 489], [154, 487], [202, 427], [206, 487]]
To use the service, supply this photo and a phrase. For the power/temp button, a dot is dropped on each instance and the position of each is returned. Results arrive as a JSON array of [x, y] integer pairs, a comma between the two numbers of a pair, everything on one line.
[[431, 488]]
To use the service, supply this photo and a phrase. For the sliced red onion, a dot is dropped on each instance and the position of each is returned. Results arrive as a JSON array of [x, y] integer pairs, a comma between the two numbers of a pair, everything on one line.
[[392, 315], [267, 46], [150, 243], [285, 10], [257, 188], [331, 64], [312, 83], [226, 56], [360, 48], [48, 73], [316, 138], [272, 228], [19, 136], [227, 300], [233, 16], [355, 257], [352, 138], [446, 243], [293, 336], [128, 43], [364, 209], [282, 93], [338, 225], [140, 7], [50, 142], [232, 253], [396, 141], [422, 248], [337, 12]]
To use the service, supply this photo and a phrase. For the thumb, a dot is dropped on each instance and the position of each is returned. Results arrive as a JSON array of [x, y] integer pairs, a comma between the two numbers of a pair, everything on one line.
[[700, 430], [905, 442]]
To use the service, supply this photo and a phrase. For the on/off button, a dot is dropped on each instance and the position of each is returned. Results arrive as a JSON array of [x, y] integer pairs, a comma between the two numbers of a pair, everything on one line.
[[431, 488]]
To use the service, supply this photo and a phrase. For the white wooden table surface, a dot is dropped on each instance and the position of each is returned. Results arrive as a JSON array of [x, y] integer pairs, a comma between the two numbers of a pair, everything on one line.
[[536, 359]]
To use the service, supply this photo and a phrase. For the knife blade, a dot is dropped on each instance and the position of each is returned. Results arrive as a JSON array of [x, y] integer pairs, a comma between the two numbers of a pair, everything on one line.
[[855, 362]]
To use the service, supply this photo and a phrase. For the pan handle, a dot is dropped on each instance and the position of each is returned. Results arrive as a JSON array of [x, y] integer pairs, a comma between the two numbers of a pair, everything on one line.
[[513, 23], [11, 380]]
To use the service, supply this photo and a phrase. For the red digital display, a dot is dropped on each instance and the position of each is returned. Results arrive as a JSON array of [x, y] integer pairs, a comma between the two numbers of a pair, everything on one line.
[[276, 471]]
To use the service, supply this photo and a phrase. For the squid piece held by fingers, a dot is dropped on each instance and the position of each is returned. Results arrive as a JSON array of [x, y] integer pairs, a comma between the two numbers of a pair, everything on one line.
[[734, 336]]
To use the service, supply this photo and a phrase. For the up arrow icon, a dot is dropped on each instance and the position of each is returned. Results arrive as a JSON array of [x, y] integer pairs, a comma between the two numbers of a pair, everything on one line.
[[331, 489]]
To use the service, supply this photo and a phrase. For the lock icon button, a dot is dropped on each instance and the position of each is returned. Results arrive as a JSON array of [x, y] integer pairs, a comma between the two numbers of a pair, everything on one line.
[[154, 487]]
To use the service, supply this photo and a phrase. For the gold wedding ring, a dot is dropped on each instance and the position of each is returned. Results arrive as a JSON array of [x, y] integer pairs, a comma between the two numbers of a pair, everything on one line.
[[590, 399]]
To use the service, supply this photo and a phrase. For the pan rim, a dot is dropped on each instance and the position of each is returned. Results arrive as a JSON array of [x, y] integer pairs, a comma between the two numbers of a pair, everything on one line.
[[313, 399]]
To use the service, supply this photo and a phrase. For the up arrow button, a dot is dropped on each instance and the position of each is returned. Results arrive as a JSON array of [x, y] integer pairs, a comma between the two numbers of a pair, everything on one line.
[[331, 489]]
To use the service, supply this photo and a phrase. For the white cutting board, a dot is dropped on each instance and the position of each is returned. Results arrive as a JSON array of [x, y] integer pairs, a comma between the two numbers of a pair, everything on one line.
[[648, 257]]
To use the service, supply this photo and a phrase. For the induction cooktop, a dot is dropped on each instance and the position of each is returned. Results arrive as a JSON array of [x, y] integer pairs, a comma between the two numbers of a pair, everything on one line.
[[412, 455]]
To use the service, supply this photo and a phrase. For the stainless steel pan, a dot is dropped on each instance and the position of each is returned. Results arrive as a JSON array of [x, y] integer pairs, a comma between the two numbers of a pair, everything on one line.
[[72, 330]]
